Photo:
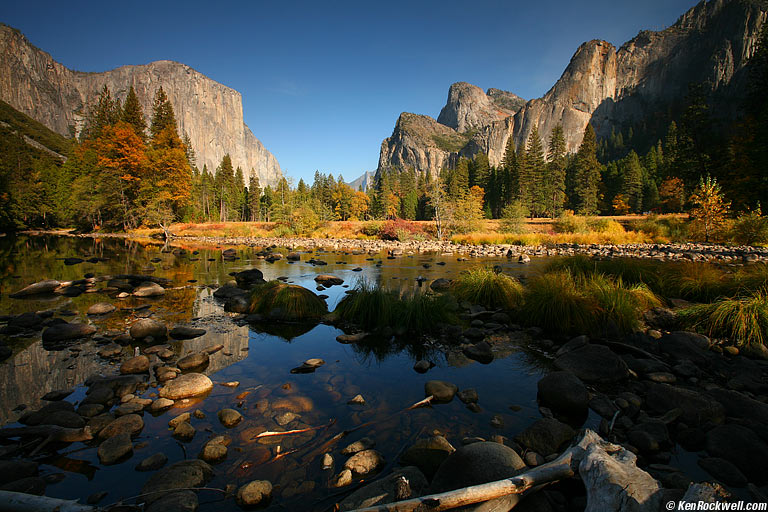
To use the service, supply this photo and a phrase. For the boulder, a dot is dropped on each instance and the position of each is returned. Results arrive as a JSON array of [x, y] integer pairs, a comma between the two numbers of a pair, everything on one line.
[[138, 364], [152, 463], [130, 424], [182, 475], [743, 448], [39, 288], [386, 490], [186, 333], [682, 345], [11, 470], [479, 463], [254, 493], [229, 417], [441, 284], [57, 333], [428, 454], [185, 386], [247, 279], [563, 392], [480, 352], [115, 448], [177, 501], [443, 392], [594, 364], [193, 360], [328, 280], [723, 471], [148, 289], [546, 436], [100, 308], [364, 462], [698, 409], [148, 327]]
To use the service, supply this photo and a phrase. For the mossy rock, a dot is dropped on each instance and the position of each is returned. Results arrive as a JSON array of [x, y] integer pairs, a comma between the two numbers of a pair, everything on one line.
[[288, 302]]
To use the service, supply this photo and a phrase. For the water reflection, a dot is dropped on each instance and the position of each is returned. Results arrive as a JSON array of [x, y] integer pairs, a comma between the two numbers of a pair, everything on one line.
[[259, 357]]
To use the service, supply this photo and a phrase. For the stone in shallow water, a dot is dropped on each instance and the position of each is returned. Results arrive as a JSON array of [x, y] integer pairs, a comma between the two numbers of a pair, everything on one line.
[[229, 417], [443, 392], [182, 475], [100, 308], [148, 327], [115, 448], [130, 424], [149, 289], [594, 363], [66, 332], [152, 463], [365, 462], [185, 386], [186, 333], [253, 493], [193, 360], [138, 364], [545, 436]]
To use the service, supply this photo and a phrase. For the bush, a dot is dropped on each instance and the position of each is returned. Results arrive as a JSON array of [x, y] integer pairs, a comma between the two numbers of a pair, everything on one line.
[[304, 221], [481, 285], [399, 229], [290, 302], [513, 217], [742, 319], [281, 231], [603, 225], [750, 228], [372, 228], [570, 223]]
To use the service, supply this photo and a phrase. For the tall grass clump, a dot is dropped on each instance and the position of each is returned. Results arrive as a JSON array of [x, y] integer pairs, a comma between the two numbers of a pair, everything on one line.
[[555, 302], [629, 270], [368, 306], [697, 281], [742, 319], [286, 302], [617, 303], [374, 308], [481, 285], [752, 277]]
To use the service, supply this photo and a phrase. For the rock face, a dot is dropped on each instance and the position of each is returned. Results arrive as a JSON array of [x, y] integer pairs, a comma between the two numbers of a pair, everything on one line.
[[711, 43], [209, 112]]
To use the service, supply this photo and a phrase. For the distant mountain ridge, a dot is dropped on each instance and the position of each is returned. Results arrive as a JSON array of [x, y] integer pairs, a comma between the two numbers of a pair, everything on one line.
[[609, 88], [211, 114], [363, 182]]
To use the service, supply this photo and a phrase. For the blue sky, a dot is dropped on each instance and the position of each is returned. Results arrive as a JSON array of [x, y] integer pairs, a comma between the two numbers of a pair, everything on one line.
[[324, 82]]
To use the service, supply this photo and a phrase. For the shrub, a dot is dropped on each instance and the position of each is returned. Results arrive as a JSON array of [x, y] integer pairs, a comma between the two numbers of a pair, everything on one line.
[[603, 225], [372, 228], [398, 229], [282, 230], [481, 285], [742, 319], [513, 217], [304, 221], [570, 223], [751, 228], [286, 302]]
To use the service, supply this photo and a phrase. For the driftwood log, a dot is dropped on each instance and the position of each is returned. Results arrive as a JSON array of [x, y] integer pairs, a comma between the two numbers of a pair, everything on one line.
[[20, 502], [611, 476]]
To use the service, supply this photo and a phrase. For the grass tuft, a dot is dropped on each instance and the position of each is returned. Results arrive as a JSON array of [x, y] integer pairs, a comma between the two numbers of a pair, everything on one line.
[[553, 300], [374, 308], [481, 285], [286, 302], [742, 319]]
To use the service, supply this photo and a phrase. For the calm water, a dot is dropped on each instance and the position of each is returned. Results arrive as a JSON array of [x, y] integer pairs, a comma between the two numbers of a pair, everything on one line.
[[261, 362]]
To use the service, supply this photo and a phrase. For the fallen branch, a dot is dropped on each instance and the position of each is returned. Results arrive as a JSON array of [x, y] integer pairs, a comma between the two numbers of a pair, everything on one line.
[[53, 432], [609, 472], [270, 433], [22, 502]]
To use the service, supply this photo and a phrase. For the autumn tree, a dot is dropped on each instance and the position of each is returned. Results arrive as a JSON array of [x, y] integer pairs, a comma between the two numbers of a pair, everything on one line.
[[709, 206], [672, 195]]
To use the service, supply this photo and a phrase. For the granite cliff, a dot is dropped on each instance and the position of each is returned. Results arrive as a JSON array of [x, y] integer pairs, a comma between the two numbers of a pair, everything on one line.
[[211, 114], [609, 88]]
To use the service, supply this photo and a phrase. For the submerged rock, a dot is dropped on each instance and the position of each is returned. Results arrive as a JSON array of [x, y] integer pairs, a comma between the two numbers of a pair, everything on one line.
[[443, 392], [546, 436], [594, 363], [115, 448], [182, 475], [148, 327], [39, 288], [254, 493], [404, 483], [101, 308], [364, 462], [66, 332]]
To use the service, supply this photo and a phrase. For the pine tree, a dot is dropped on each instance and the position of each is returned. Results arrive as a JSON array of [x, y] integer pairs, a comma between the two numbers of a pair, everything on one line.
[[632, 186], [587, 174], [535, 191], [254, 197], [162, 114], [557, 164], [133, 114], [224, 181], [106, 113], [238, 195]]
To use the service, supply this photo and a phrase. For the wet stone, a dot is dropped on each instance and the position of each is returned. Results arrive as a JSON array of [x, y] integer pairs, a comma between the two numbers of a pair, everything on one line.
[[229, 417], [115, 448]]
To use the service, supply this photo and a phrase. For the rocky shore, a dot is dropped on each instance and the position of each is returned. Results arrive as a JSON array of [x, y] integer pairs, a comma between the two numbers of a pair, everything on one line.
[[663, 252]]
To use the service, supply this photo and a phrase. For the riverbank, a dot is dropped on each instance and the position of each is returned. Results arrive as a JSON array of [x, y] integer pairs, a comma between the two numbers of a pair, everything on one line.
[[658, 251]]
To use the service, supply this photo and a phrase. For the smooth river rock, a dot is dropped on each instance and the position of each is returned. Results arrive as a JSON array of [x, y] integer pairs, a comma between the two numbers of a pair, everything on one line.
[[185, 386]]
